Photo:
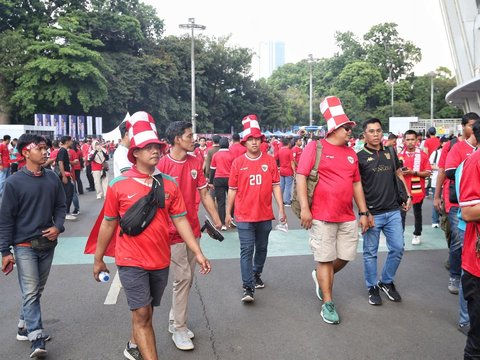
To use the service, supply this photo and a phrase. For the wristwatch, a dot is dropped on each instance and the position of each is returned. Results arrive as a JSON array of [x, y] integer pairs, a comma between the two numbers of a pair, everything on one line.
[[366, 213], [410, 196]]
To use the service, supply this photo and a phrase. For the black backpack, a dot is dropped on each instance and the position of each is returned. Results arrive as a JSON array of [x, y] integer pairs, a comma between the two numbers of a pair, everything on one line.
[[140, 215]]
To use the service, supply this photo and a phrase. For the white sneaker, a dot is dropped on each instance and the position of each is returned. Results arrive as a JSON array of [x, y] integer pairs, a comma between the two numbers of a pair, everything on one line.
[[224, 228], [171, 329], [181, 340], [70, 217], [435, 226], [416, 240]]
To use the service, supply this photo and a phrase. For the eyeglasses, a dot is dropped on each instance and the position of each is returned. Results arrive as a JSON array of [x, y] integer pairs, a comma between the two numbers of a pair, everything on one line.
[[347, 128], [374, 131]]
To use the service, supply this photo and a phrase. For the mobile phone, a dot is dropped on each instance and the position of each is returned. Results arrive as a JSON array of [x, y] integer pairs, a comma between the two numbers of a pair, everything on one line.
[[8, 269]]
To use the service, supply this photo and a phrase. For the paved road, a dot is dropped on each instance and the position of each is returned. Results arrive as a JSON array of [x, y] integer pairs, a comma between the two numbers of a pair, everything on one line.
[[283, 323]]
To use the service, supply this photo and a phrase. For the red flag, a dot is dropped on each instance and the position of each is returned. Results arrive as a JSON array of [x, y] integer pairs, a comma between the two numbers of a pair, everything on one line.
[[91, 245]]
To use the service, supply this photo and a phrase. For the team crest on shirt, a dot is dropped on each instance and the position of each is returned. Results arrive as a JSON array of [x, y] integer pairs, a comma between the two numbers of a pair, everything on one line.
[[387, 155], [264, 167], [370, 159], [194, 173], [350, 159]]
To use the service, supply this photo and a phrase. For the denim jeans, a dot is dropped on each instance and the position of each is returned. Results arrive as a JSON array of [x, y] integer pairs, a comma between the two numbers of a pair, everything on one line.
[[391, 225], [456, 243], [33, 268], [253, 239], [3, 177], [286, 185], [463, 318], [435, 215]]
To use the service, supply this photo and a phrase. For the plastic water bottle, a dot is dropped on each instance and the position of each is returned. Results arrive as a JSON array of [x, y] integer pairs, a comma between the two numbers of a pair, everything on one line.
[[104, 276], [282, 225]]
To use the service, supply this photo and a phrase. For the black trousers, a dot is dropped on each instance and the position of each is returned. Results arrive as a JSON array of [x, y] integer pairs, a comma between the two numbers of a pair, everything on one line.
[[471, 292], [78, 174], [221, 190], [88, 171], [417, 213]]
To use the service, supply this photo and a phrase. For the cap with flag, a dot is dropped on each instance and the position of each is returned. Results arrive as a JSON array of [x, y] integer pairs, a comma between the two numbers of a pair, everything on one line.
[[251, 128], [141, 132], [332, 111]]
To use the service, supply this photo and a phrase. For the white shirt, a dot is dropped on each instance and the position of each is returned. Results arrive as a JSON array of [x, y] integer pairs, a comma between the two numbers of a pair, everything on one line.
[[120, 160]]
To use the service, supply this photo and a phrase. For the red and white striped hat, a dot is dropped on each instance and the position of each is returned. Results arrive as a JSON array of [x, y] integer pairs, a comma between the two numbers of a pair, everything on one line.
[[332, 111], [141, 132], [251, 128]]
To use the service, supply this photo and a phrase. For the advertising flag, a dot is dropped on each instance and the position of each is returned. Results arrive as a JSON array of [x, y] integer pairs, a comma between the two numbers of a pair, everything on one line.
[[89, 125], [46, 120], [38, 119], [98, 126], [81, 127]]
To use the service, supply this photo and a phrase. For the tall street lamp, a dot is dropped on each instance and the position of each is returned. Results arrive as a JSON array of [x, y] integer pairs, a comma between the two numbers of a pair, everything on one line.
[[432, 75], [310, 61], [191, 25]]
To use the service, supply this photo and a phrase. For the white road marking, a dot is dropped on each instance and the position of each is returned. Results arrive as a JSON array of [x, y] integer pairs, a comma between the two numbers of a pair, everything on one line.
[[115, 287]]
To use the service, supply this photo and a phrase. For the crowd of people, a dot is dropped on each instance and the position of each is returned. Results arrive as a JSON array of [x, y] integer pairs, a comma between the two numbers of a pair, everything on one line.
[[237, 180]]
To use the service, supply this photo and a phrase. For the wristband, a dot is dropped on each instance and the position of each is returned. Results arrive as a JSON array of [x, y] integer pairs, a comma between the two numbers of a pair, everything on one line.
[[366, 213]]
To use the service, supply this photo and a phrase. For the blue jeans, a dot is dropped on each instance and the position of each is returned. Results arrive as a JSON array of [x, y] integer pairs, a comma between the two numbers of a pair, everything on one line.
[[462, 303], [456, 243], [286, 185], [391, 225], [435, 215], [33, 268], [253, 238], [3, 177]]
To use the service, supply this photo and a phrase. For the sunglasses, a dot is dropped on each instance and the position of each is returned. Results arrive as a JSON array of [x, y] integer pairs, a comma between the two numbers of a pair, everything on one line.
[[347, 128]]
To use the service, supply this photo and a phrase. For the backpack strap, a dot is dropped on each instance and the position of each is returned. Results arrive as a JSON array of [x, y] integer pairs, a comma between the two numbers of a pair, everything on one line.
[[318, 155]]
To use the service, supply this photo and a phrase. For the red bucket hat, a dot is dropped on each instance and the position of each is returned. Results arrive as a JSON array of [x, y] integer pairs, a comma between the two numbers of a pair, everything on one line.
[[141, 132]]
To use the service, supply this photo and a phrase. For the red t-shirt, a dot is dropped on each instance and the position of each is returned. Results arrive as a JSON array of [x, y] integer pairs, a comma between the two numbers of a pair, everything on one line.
[[85, 151], [4, 155], [470, 196], [297, 152], [201, 153], [431, 144], [459, 152], [263, 147], [446, 183], [285, 158], [72, 155], [53, 154], [222, 163], [416, 184], [150, 250], [237, 149], [190, 178], [338, 170], [254, 180]]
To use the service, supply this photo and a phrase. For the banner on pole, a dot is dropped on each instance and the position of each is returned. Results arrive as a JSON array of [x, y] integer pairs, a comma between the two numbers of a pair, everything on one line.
[[81, 127], [98, 126], [38, 119], [46, 120], [63, 125], [89, 125]]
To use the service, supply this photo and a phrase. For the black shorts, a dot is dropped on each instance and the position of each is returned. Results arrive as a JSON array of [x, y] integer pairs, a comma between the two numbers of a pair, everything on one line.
[[143, 287]]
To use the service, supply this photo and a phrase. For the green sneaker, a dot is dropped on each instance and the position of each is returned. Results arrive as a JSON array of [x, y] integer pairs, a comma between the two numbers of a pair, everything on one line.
[[329, 314], [318, 291]]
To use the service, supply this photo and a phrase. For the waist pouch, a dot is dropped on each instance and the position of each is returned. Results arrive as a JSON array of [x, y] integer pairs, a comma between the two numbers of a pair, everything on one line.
[[41, 243]]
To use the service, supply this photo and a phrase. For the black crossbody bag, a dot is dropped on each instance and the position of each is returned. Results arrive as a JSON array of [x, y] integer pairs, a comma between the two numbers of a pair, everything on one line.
[[402, 194], [140, 215]]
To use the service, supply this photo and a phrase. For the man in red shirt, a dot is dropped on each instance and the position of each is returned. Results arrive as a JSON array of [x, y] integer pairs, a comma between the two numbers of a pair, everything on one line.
[[86, 148], [253, 179], [4, 162], [469, 198], [186, 169], [297, 150], [143, 260], [237, 149], [287, 170], [201, 151], [332, 223], [416, 167], [432, 143]]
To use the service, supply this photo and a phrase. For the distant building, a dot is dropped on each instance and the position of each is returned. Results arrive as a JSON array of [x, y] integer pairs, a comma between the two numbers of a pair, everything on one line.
[[270, 56]]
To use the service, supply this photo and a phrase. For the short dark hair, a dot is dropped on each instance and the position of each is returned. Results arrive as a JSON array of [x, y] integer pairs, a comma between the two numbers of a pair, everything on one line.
[[224, 143], [476, 131], [285, 141], [6, 137], [176, 128], [202, 137], [65, 138], [392, 137], [26, 139], [410, 132], [236, 137], [216, 138], [469, 116], [370, 121], [123, 129]]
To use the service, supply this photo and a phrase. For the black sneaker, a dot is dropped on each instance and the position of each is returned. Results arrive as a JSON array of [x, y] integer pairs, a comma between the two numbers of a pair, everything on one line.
[[132, 353], [390, 291], [374, 296], [248, 295], [22, 334], [38, 348], [259, 284], [76, 212]]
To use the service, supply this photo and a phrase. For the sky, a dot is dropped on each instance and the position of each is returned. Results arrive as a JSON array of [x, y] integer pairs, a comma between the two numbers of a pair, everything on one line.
[[308, 26]]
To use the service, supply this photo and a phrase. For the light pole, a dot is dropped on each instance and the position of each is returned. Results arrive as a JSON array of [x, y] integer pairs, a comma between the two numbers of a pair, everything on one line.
[[191, 25], [310, 61], [431, 74], [392, 83]]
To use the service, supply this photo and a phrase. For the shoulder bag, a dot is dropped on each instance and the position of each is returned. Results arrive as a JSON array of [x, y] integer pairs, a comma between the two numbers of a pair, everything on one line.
[[401, 191]]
